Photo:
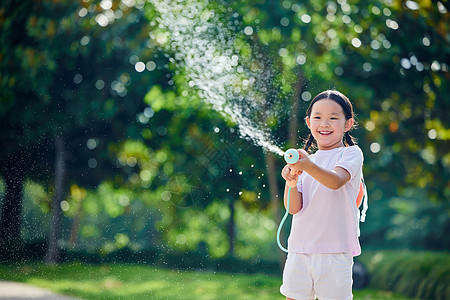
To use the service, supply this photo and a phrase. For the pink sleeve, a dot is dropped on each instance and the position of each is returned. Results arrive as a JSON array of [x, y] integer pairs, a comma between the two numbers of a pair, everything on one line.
[[351, 160]]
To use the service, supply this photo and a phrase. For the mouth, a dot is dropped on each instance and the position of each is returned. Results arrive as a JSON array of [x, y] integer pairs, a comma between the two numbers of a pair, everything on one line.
[[325, 132]]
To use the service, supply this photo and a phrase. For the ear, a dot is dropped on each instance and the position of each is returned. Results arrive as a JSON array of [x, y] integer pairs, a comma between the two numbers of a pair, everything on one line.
[[349, 124], [308, 122]]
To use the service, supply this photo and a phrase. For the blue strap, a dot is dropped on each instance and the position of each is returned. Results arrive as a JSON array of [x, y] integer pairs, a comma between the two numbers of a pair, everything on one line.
[[283, 220]]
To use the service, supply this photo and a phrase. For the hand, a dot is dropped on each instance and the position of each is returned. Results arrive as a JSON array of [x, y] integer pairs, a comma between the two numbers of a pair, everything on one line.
[[290, 175], [303, 162]]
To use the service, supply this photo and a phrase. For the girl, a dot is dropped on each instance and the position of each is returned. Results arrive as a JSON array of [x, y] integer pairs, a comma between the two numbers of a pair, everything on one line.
[[324, 232]]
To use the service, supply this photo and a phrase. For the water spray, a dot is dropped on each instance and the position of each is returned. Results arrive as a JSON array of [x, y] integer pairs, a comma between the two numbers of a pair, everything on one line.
[[291, 156]]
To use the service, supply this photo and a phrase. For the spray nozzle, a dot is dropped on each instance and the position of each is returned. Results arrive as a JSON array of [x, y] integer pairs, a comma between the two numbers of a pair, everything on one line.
[[291, 156]]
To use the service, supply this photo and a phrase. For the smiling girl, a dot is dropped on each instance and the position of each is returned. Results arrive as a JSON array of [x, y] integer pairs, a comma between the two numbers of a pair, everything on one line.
[[325, 223]]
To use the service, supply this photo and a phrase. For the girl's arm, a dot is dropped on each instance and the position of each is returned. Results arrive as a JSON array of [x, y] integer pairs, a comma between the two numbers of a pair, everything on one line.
[[295, 199], [333, 179]]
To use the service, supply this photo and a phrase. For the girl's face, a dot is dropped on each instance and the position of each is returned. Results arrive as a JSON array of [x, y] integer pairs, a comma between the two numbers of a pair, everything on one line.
[[328, 124]]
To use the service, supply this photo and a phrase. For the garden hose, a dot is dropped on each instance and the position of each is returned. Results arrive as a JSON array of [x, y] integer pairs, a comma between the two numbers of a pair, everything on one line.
[[291, 156]]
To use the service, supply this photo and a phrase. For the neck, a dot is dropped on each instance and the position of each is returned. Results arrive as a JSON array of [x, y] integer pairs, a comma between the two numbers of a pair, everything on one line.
[[337, 145]]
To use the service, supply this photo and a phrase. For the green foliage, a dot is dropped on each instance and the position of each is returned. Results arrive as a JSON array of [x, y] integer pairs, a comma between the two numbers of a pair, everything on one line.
[[423, 275], [255, 230], [157, 179], [77, 75], [407, 222], [158, 100]]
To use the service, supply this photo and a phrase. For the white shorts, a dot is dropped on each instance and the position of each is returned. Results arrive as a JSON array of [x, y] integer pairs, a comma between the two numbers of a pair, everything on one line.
[[325, 276]]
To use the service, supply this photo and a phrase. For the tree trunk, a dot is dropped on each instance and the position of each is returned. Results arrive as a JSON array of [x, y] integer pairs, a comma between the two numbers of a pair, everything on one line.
[[13, 175], [294, 119], [275, 198], [53, 249], [231, 228], [293, 125], [75, 225]]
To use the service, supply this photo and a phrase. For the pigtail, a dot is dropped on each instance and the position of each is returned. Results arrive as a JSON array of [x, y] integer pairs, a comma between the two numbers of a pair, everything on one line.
[[309, 142], [349, 140]]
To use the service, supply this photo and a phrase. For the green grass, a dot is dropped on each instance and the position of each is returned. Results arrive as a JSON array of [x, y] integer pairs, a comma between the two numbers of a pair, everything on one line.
[[121, 281]]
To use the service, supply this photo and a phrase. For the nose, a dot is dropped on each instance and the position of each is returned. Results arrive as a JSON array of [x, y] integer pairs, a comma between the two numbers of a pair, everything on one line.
[[325, 123]]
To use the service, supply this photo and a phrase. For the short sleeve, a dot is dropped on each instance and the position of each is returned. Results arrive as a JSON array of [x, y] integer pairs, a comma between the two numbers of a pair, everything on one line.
[[351, 160], [299, 184]]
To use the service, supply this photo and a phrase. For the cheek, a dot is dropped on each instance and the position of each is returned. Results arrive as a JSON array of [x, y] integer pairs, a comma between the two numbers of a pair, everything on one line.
[[340, 125], [314, 123]]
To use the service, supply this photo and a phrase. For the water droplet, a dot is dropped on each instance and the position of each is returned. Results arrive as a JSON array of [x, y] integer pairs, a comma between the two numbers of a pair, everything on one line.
[[356, 42], [248, 30], [375, 147], [92, 163], [139, 67], [150, 65], [64, 205], [305, 18], [78, 78]]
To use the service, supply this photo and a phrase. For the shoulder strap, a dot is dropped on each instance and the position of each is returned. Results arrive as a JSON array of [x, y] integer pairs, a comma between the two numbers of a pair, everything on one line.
[[365, 199]]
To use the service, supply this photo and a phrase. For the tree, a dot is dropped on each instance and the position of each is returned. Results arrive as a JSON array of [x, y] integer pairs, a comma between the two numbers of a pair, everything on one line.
[[19, 133], [71, 63]]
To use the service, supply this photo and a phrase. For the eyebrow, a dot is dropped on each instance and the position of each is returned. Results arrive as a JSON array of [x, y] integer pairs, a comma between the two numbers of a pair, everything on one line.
[[333, 113]]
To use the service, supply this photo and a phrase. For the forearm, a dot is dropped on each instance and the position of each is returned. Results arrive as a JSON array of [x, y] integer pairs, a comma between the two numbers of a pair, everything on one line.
[[332, 179], [295, 200]]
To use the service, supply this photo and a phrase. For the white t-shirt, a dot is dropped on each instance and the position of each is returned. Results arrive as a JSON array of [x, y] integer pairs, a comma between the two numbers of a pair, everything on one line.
[[329, 219]]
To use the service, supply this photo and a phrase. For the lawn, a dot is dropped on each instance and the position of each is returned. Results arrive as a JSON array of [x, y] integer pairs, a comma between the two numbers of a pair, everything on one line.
[[121, 281]]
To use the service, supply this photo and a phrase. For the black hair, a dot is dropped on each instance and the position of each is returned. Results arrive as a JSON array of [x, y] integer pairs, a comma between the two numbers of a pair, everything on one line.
[[347, 107]]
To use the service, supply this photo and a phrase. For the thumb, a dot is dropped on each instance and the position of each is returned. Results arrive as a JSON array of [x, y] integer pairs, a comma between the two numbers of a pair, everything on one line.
[[302, 153]]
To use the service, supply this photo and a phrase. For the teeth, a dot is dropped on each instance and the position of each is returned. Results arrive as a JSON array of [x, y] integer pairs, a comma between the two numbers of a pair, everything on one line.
[[325, 132]]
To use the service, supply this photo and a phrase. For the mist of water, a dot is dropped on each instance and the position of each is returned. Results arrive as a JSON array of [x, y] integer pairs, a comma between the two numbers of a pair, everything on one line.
[[208, 53]]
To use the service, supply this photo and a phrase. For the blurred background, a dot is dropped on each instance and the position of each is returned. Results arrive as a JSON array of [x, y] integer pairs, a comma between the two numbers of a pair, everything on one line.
[[116, 149]]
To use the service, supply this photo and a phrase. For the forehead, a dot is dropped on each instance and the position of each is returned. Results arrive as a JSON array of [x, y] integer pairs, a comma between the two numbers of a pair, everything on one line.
[[327, 106]]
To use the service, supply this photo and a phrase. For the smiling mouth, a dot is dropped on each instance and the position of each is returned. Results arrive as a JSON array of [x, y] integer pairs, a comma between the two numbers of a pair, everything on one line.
[[325, 132]]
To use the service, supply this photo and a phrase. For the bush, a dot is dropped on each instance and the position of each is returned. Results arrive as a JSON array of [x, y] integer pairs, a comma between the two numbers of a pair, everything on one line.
[[192, 260], [18, 251], [424, 275]]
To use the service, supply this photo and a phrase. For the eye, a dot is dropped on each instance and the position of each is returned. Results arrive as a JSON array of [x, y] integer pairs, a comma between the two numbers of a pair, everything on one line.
[[317, 117], [334, 118]]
